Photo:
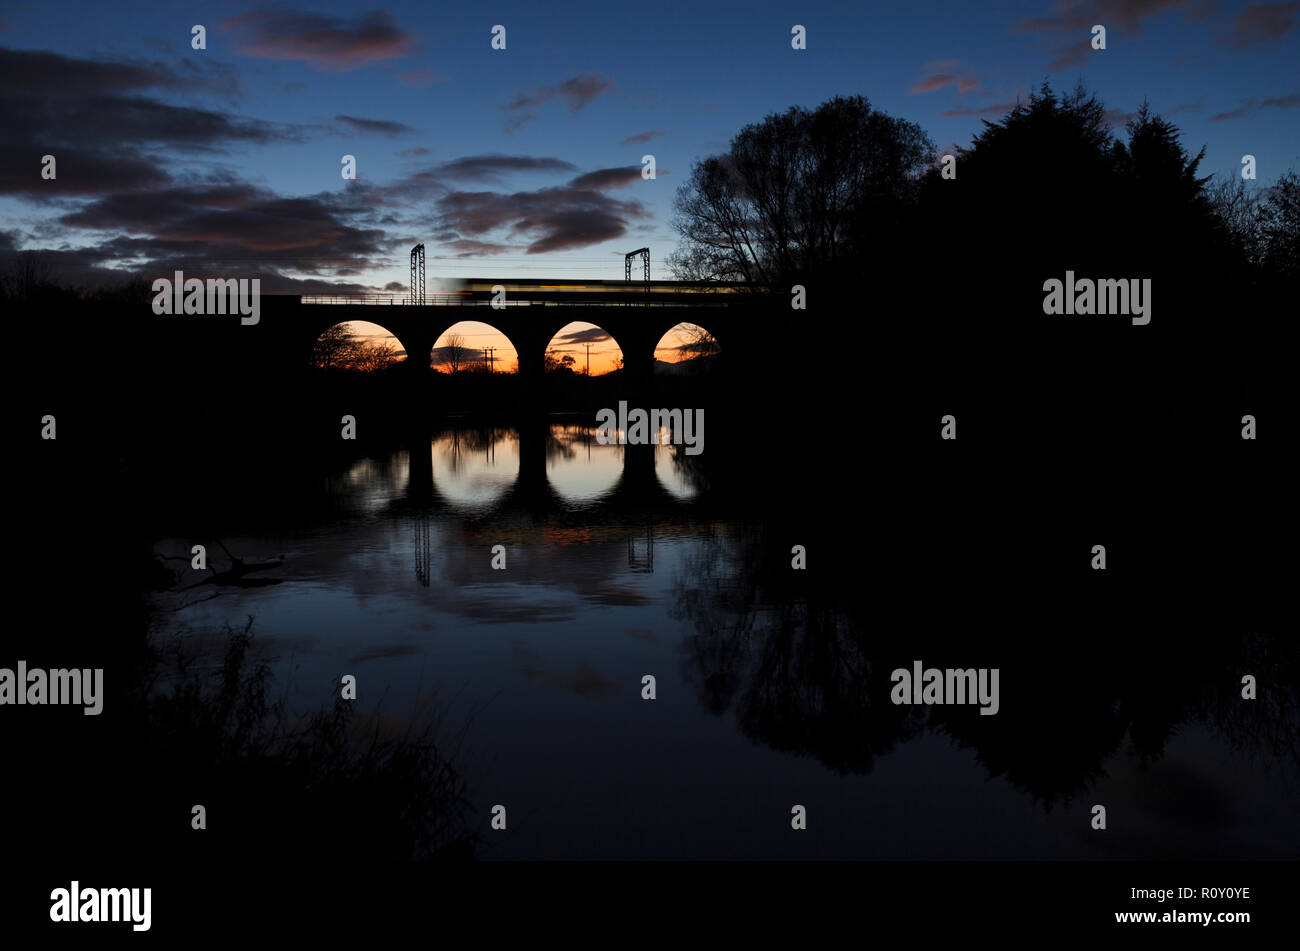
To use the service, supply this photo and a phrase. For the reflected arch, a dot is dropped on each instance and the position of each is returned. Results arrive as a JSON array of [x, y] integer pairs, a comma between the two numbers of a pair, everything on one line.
[[578, 468], [474, 469], [679, 475]]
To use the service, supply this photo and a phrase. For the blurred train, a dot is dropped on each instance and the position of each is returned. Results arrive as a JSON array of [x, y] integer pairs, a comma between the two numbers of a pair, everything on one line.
[[553, 289], [483, 291]]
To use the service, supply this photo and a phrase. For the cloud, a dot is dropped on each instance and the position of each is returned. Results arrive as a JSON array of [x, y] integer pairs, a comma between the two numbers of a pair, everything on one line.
[[130, 206], [228, 227], [1075, 18], [93, 117], [932, 83], [469, 248], [557, 218], [937, 81], [513, 125], [374, 126], [605, 178], [579, 92], [330, 44], [589, 335], [80, 172], [420, 77], [1120, 116], [41, 74], [996, 109], [415, 152], [1070, 56], [493, 166], [134, 119], [1263, 24], [1079, 17], [445, 356], [364, 197], [1250, 106], [643, 136]]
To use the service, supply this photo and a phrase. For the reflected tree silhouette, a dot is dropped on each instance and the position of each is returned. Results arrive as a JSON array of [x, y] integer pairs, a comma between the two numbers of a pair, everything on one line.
[[792, 660]]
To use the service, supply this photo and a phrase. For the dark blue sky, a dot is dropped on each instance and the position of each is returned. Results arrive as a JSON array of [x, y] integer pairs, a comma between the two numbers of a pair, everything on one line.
[[526, 161]]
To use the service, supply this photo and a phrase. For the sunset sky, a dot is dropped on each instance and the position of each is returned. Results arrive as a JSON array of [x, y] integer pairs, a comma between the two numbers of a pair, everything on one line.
[[526, 161], [571, 340]]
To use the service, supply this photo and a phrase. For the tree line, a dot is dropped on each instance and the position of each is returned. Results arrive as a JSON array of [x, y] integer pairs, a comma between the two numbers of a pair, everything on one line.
[[832, 195]]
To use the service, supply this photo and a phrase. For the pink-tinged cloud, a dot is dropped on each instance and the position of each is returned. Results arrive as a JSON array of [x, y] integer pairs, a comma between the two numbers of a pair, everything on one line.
[[997, 109], [932, 83], [420, 77], [1071, 57], [938, 81], [643, 136], [606, 178], [579, 91], [1250, 106], [331, 44], [550, 219], [1079, 16], [1263, 24], [469, 248]]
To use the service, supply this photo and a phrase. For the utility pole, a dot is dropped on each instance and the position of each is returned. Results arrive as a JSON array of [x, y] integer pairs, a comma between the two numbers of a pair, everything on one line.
[[490, 352], [588, 359]]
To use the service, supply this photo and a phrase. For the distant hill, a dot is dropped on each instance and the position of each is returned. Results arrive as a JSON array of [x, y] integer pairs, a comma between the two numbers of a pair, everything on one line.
[[684, 367]]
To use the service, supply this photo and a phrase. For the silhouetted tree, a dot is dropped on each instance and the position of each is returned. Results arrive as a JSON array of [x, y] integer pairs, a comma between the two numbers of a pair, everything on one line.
[[335, 348], [1280, 229], [26, 277], [697, 342], [454, 353], [792, 197], [557, 364], [374, 357], [1239, 209]]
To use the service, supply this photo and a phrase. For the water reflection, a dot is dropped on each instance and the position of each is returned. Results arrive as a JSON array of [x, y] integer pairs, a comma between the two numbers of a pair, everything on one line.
[[802, 673], [561, 467], [773, 685], [579, 468], [473, 469]]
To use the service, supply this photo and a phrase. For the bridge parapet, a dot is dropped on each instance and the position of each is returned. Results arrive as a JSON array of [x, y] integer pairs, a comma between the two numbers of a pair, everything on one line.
[[435, 299]]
